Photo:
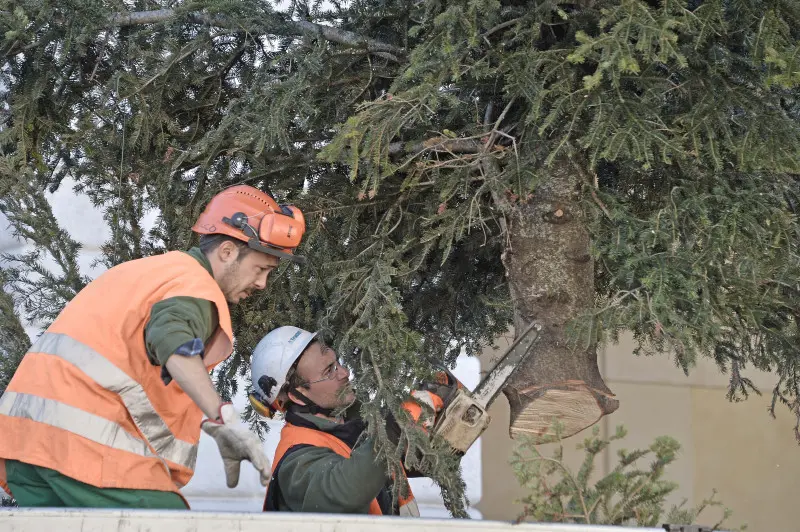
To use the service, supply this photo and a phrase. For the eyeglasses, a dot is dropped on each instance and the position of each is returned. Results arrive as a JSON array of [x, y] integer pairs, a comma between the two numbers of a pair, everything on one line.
[[331, 371]]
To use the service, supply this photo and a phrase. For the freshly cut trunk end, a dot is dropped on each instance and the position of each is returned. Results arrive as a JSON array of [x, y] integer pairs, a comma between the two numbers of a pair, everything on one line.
[[561, 410]]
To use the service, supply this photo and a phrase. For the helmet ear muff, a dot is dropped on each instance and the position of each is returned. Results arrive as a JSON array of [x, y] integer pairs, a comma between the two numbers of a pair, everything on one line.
[[295, 213], [267, 383], [281, 230], [261, 407]]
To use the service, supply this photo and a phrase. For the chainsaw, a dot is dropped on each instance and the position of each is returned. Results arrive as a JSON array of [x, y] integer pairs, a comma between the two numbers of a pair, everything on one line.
[[465, 415]]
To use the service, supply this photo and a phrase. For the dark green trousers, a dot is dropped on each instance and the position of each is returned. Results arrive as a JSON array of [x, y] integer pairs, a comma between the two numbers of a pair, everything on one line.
[[39, 486]]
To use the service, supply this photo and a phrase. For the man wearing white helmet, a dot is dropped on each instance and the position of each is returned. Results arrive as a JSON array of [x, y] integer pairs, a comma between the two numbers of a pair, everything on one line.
[[318, 467]]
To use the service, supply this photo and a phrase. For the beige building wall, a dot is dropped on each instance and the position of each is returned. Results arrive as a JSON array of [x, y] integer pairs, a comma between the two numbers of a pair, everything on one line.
[[751, 460]]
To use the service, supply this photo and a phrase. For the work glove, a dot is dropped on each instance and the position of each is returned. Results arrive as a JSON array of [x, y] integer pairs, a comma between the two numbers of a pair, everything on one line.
[[427, 398], [236, 443], [422, 407], [413, 406]]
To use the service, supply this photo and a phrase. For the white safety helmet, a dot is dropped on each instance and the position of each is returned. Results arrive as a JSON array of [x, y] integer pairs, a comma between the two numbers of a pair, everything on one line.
[[272, 359]]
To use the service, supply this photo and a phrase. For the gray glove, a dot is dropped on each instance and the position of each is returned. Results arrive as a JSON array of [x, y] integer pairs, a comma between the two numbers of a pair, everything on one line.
[[236, 443]]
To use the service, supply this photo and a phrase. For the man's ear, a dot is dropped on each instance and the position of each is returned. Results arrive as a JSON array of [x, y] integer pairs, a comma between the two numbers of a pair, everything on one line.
[[227, 252], [293, 398]]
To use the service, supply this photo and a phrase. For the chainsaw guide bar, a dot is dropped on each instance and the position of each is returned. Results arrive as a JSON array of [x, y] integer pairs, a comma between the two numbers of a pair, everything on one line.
[[466, 416]]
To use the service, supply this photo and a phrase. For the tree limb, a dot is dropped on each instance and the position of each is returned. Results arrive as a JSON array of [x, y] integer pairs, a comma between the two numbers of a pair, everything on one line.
[[285, 29], [437, 144], [142, 17]]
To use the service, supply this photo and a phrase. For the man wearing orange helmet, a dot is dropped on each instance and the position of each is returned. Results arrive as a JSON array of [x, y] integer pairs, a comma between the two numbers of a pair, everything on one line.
[[105, 409]]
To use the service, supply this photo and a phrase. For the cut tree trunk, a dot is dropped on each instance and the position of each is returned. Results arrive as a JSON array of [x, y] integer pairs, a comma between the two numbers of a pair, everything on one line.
[[551, 274]]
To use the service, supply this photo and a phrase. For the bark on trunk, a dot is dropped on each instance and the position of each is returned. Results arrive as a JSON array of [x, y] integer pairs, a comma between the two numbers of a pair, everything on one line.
[[551, 274]]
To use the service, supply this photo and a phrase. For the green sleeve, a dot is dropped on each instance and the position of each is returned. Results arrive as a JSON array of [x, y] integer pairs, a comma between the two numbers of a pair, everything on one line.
[[316, 479], [175, 321]]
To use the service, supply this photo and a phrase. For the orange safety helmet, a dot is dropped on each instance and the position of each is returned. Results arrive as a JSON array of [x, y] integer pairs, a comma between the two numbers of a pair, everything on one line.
[[252, 216]]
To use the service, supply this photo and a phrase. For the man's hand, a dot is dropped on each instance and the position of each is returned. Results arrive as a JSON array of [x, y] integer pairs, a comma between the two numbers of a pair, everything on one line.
[[428, 399], [436, 395], [236, 443]]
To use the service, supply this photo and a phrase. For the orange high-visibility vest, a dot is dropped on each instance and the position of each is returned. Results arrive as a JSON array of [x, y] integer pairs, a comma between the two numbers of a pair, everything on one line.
[[87, 402], [3, 482], [292, 435]]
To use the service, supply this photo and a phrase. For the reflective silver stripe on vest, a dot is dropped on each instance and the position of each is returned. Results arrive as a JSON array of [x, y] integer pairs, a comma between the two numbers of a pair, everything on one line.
[[409, 509], [66, 417], [113, 379]]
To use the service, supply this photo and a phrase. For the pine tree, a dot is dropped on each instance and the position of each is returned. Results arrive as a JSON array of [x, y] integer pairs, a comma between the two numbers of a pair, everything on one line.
[[628, 495], [595, 165]]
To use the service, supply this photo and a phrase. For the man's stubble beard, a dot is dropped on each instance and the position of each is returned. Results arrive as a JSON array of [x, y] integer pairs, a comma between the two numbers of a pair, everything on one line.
[[346, 396], [227, 281]]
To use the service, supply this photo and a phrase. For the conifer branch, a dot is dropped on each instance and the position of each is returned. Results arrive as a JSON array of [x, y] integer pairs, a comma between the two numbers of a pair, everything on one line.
[[14, 340], [142, 17], [437, 144], [286, 28]]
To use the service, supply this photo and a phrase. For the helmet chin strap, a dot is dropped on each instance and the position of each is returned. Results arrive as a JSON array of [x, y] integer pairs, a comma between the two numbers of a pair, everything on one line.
[[310, 406]]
